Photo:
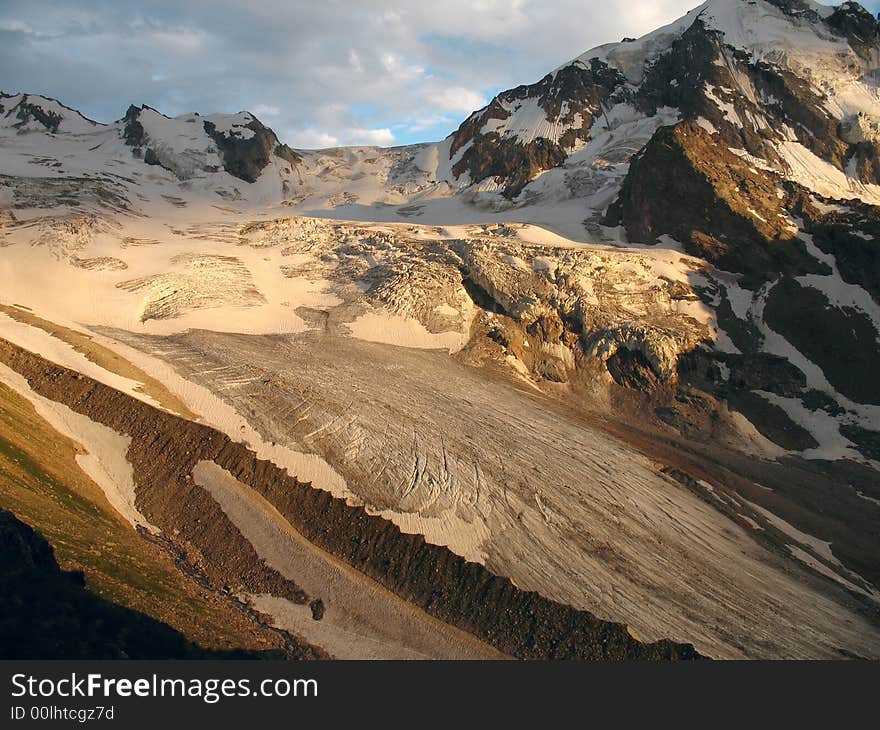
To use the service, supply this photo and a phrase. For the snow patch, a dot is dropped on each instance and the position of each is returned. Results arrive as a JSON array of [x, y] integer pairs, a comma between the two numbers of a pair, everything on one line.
[[104, 462]]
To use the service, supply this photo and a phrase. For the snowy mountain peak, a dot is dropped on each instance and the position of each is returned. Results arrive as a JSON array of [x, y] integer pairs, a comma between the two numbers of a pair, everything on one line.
[[763, 74], [773, 30], [192, 154], [34, 113], [191, 144]]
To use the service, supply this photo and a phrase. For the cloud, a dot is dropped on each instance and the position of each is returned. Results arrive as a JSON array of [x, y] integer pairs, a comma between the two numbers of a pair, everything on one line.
[[179, 41], [379, 137], [266, 110], [321, 74], [311, 139], [15, 26], [456, 99]]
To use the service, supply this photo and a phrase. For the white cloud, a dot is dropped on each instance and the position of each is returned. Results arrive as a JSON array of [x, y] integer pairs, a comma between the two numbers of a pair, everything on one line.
[[373, 137], [398, 68], [15, 26], [266, 110], [355, 61], [186, 41], [457, 99], [430, 122], [310, 139]]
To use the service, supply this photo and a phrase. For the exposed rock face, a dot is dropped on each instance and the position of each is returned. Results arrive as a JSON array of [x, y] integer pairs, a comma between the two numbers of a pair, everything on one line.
[[697, 77], [860, 28], [746, 102], [796, 9], [508, 161], [747, 377], [626, 347], [283, 152], [155, 150], [133, 131], [752, 97], [48, 119], [497, 142], [771, 421], [849, 233], [683, 184], [762, 371], [245, 158], [866, 156], [732, 181], [31, 112], [866, 440], [519, 292], [840, 340], [632, 369], [548, 315], [793, 106]]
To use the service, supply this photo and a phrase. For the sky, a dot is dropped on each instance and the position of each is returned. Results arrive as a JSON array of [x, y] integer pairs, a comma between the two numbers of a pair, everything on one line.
[[321, 73]]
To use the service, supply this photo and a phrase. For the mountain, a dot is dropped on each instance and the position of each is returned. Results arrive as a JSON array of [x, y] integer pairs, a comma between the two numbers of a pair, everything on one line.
[[760, 77], [612, 341], [219, 151], [238, 144]]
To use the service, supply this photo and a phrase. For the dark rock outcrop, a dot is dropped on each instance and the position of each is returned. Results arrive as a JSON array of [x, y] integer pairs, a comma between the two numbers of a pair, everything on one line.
[[27, 111], [683, 184], [30, 108], [682, 78], [136, 137], [867, 441], [771, 421], [867, 161], [850, 232], [574, 90], [860, 28], [631, 369], [509, 161], [762, 371], [842, 341], [246, 158], [790, 100], [748, 102], [796, 9], [283, 152], [133, 131]]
